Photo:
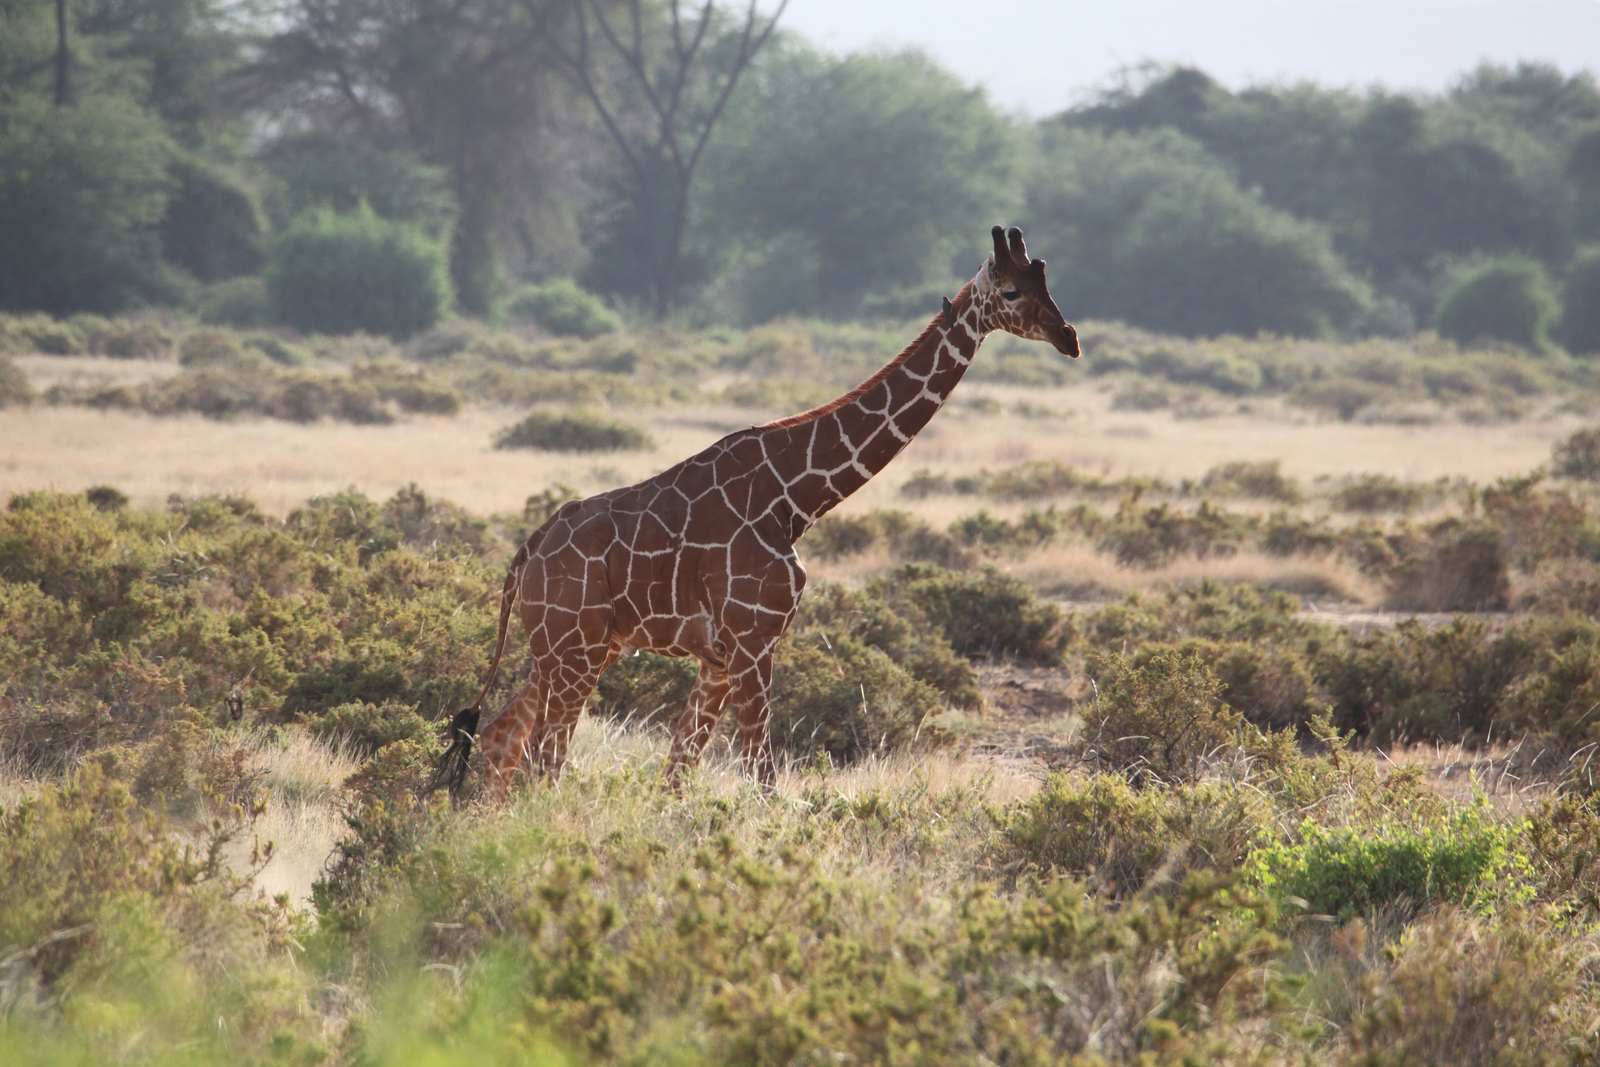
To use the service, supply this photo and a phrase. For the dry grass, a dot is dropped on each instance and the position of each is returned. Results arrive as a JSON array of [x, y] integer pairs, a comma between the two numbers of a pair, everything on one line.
[[281, 464], [302, 780], [1077, 571]]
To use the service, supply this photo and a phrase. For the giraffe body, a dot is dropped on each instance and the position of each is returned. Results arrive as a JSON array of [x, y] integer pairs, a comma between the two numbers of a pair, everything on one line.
[[699, 560]]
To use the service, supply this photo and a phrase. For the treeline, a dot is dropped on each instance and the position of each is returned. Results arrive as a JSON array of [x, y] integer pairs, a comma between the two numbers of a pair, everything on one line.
[[343, 164]]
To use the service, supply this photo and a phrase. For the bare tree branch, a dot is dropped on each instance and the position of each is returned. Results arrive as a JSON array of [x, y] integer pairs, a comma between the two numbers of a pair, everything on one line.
[[671, 79]]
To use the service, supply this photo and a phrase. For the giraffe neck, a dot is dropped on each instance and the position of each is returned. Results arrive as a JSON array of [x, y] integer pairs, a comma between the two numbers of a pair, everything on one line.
[[824, 455]]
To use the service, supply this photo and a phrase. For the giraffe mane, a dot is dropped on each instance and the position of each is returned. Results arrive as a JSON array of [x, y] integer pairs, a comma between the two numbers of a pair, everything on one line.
[[937, 323]]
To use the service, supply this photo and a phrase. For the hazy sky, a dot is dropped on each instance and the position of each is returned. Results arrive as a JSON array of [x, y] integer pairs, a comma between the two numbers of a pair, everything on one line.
[[1042, 55]]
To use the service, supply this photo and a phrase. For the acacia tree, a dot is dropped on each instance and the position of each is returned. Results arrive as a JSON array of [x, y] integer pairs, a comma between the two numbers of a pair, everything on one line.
[[659, 87]]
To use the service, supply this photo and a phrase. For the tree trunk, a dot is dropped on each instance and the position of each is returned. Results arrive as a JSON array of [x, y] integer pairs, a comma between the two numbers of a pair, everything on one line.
[[63, 90]]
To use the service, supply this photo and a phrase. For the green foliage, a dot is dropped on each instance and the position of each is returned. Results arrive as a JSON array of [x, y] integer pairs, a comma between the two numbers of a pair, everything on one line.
[[15, 389], [564, 309], [834, 694], [573, 431], [1464, 567], [645, 688], [237, 302], [1126, 841], [131, 617], [983, 613], [1162, 236], [1503, 300], [1159, 716], [1580, 303], [1577, 456], [1149, 537], [901, 535], [213, 226], [80, 196], [1260, 481], [343, 273], [1461, 989], [105, 907], [809, 132], [1376, 493], [1468, 858], [335, 175], [226, 379], [731, 940]]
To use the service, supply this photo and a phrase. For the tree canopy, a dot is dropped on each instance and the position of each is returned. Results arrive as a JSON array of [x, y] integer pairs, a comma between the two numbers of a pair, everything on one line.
[[678, 162]]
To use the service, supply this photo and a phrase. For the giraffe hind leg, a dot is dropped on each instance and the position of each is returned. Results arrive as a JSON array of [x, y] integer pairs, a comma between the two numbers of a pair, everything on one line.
[[575, 680], [505, 740], [706, 701]]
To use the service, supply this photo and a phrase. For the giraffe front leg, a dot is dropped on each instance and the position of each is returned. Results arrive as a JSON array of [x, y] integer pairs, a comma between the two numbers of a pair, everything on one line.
[[699, 719], [751, 695]]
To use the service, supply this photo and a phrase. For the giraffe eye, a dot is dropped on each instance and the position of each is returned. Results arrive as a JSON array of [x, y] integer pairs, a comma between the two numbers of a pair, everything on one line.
[[1011, 294]]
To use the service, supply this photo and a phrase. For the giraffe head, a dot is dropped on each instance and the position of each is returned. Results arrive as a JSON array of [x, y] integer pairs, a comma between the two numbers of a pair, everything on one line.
[[1020, 301]]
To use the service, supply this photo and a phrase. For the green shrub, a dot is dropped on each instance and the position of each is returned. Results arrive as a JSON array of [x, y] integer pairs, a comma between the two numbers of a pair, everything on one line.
[[565, 309], [1260, 481], [1344, 397], [1150, 537], [85, 190], [899, 534], [216, 348], [106, 498], [1580, 304], [1122, 838], [365, 728], [834, 694], [1506, 299], [241, 303], [135, 342], [1159, 717], [900, 632], [23, 335], [1372, 494], [213, 226], [1468, 857], [1468, 989], [1410, 683], [1037, 478], [281, 352], [986, 613], [357, 272], [15, 389], [645, 689], [574, 431], [1462, 568], [1577, 456]]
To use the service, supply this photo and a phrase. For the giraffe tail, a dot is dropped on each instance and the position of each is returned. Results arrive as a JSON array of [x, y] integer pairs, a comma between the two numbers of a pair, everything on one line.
[[451, 770]]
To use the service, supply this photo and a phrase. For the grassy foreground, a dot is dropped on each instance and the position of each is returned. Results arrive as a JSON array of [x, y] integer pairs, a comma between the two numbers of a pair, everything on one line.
[[215, 721], [903, 912]]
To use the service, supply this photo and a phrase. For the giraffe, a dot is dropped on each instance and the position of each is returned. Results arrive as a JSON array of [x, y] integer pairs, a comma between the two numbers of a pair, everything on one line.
[[700, 561]]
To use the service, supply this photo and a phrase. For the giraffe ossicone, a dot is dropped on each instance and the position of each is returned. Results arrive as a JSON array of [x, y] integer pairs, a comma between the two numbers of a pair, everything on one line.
[[700, 561]]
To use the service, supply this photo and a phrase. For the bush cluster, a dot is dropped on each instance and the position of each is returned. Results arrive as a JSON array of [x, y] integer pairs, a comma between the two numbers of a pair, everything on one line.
[[224, 380], [565, 309], [582, 430], [333, 274], [1161, 879]]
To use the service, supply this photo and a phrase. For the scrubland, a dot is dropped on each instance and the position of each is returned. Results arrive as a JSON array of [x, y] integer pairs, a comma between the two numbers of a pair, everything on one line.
[[1202, 702]]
